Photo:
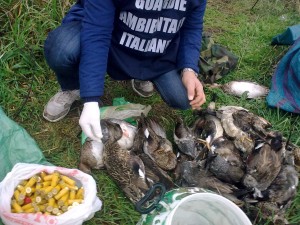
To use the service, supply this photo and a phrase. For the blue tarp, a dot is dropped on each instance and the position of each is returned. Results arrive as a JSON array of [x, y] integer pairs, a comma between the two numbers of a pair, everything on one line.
[[288, 37], [285, 89]]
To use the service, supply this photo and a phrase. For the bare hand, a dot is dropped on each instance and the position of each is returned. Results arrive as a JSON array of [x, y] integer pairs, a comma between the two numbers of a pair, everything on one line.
[[194, 89]]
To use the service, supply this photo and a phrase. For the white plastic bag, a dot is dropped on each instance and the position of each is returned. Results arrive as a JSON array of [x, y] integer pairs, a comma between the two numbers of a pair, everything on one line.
[[125, 111], [74, 216]]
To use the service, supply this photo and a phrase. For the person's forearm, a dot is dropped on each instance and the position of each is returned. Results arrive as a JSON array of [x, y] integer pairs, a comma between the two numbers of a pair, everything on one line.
[[96, 31], [190, 39]]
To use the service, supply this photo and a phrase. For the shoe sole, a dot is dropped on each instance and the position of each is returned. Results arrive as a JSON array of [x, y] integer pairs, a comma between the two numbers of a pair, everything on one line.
[[61, 117], [58, 119], [139, 93]]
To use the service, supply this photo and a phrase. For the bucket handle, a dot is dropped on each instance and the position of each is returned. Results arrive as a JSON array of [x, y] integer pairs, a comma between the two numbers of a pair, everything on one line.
[[152, 198]]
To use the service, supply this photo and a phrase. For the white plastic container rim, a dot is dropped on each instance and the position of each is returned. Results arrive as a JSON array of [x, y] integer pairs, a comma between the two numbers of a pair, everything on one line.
[[211, 197]]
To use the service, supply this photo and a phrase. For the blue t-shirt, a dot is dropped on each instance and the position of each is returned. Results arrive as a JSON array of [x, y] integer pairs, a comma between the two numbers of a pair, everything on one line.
[[138, 38]]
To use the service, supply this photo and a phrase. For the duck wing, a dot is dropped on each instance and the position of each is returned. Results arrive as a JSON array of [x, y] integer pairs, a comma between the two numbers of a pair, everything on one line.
[[185, 139], [160, 150], [154, 174], [242, 139], [110, 131], [127, 170], [155, 145], [227, 165], [128, 133], [263, 166], [284, 187], [91, 156]]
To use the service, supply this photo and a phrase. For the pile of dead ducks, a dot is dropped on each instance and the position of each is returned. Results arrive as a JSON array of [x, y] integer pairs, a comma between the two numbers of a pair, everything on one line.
[[228, 150]]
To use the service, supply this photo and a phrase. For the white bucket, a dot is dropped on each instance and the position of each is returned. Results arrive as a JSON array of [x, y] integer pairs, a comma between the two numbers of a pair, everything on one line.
[[194, 206], [206, 209]]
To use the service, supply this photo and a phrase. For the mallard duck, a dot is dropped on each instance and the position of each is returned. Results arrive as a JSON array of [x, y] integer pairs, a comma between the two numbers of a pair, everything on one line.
[[226, 162], [155, 145], [278, 197], [196, 140], [91, 156], [296, 152], [185, 139], [128, 133], [154, 174], [111, 131], [264, 164], [126, 169], [284, 187], [193, 175], [212, 129], [268, 212], [251, 123], [292, 153], [91, 152], [242, 140]]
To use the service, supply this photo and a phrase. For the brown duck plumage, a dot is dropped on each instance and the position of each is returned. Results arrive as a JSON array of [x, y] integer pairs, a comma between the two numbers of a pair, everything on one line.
[[126, 169], [264, 164], [151, 139], [91, 152]]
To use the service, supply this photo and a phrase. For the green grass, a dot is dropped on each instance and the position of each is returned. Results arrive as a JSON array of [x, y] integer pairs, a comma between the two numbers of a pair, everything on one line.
[[24, 74]]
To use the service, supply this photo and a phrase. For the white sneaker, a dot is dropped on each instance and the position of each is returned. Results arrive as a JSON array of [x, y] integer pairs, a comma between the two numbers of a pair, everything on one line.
[[143, 88], [59, 105]]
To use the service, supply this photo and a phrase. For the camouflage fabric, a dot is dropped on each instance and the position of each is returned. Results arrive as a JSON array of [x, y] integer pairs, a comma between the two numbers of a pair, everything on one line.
[[215, 60]]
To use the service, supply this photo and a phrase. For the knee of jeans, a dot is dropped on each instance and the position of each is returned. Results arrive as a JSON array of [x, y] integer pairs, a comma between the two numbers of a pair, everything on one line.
[[60, 53], [179, 104]]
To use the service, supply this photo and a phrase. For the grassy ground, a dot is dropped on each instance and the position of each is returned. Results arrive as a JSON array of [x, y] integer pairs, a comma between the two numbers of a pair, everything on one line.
[[24, 76]]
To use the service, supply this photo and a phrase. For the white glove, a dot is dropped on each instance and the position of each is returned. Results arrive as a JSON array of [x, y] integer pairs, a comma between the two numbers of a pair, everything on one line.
[[90, 121]]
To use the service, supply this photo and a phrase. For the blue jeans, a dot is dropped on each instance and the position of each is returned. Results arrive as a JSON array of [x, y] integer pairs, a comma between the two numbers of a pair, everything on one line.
[[62, 53]]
